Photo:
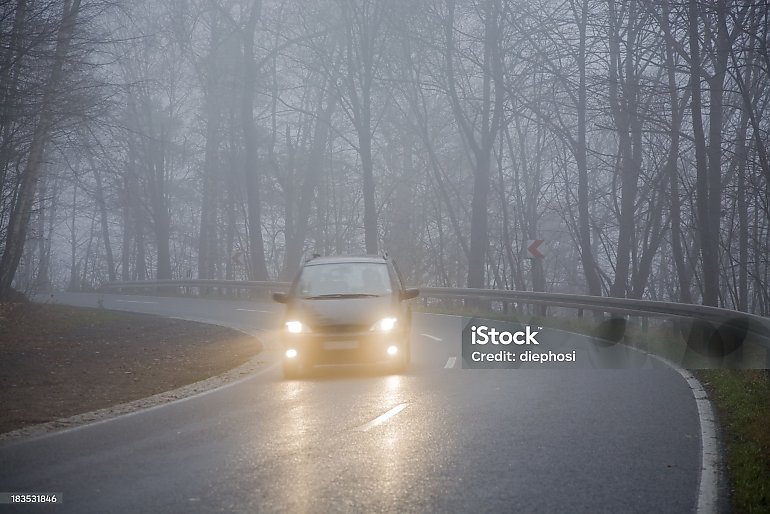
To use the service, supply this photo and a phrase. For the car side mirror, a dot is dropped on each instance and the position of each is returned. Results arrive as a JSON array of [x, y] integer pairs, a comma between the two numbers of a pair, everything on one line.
[[408, 294], [280, 297]]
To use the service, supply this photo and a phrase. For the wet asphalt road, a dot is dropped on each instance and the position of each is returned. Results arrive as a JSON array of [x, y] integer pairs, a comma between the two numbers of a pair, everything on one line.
[[437, 439]]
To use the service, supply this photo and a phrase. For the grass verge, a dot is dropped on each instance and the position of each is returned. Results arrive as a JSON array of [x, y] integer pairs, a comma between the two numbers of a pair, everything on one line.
[[742, 401]]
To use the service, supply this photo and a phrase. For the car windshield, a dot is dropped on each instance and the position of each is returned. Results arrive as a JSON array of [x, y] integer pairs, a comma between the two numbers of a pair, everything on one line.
[[344, 279]]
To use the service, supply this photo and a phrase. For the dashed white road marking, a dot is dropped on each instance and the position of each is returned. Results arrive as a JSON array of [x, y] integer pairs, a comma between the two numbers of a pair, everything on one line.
[[432, 337], [382, 418], [450, 362], [253, 310], [134, 301]]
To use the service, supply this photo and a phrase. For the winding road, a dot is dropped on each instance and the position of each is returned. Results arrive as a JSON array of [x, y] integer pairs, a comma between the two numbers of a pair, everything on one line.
[[437, 439]]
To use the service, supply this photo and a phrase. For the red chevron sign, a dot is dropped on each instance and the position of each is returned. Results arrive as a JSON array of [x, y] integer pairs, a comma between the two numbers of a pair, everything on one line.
[[532, 249]]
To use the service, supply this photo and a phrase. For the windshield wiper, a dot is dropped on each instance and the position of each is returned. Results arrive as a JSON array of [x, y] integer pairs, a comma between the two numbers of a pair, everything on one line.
[[342, 295]]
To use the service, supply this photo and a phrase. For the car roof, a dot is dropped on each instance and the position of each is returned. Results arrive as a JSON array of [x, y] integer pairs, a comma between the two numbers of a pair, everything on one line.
[[339, 259]]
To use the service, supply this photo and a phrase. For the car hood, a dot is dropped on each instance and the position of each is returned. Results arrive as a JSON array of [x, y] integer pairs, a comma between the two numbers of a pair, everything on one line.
[[342, 311]]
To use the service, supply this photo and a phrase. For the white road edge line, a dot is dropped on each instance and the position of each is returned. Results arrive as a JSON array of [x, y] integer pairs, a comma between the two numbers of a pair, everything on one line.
[[450, 362], [134, 301], [708, 492], [253, 310], [383, 417], [709, 474], [432, 337]]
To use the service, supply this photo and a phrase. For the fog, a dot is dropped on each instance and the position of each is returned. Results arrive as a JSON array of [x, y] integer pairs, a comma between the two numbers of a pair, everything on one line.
[[232, 139]]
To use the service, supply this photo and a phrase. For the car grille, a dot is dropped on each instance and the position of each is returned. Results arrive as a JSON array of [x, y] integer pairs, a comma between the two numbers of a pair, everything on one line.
[[340, 329]]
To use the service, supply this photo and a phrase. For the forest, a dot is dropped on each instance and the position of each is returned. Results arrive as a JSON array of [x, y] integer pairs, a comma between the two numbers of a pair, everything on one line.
[[231, 139]]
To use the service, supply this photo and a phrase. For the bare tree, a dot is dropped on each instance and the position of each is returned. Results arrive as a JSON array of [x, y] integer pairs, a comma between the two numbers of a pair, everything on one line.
[[22, 209], [479, 131]]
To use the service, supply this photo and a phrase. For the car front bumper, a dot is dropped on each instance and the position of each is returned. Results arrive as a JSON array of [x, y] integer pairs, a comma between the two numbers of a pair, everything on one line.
[[345, 348]]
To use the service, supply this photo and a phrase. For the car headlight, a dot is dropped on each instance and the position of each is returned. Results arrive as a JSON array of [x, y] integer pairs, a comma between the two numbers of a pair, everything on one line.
[[385, 325], [295, 327]]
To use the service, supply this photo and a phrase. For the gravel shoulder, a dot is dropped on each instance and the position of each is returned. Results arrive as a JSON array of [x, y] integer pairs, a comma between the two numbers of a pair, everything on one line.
[[59, 362]]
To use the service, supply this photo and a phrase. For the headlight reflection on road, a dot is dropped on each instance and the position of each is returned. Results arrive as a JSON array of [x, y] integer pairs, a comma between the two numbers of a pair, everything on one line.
[[389, 442], [393, 383], [296, 437], [323, 451]]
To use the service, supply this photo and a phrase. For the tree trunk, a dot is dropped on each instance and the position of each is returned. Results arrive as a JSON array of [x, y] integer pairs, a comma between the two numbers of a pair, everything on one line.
[[581, 157], [160, 213], [679, 254], [710, 250], [491, 117], [43, 280], [701, 157], [367, 167], [74, 273], [624, 112], [361, 24], [257, 266], [207, 235], [105, 227], [313, 170]]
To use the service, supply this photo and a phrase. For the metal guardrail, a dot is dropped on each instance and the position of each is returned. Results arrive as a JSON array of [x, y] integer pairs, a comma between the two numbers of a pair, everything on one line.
[[747, 323], [757, 326], [582, 302], [203, 283], [596, 303]]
